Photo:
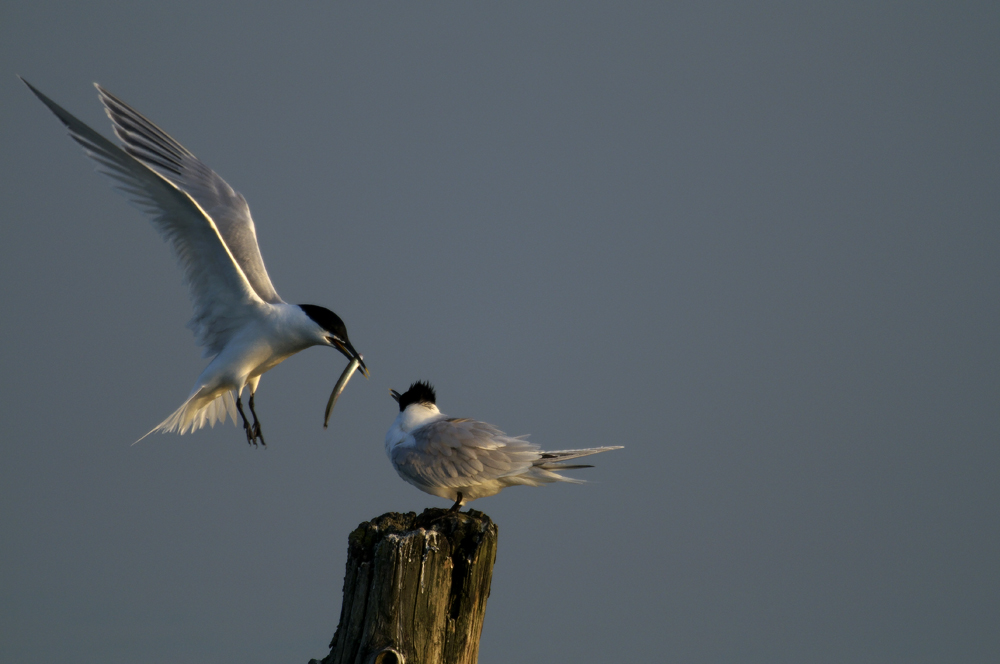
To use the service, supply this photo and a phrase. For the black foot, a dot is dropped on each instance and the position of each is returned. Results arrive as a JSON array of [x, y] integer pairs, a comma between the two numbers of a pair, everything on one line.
[[455, 509], [252, 431], [255, 434], [256, 424]]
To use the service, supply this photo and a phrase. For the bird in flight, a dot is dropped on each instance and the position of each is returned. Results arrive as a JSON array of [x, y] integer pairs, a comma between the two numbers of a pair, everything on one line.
[[239, 318], [461, 459]]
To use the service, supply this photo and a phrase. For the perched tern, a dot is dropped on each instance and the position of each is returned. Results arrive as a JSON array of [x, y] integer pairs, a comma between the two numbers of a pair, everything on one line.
[[238, 316], [461, 459]]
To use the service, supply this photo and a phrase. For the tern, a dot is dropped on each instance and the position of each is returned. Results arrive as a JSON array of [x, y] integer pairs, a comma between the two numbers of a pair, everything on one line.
[[462, 459], [238, 318]]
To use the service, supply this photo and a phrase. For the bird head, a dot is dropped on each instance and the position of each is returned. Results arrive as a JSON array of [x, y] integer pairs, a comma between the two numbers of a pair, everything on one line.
[[419, 393], [334, 333]]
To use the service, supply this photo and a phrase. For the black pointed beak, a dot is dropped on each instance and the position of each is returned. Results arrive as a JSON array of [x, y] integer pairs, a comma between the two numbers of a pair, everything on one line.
[[347, 349], [395, 395]]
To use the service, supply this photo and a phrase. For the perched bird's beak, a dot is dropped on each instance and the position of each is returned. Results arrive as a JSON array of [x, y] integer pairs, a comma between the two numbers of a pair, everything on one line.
[[347, 349], [395, 395]]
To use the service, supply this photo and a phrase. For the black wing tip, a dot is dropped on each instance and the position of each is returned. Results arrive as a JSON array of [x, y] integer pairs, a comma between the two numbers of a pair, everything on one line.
[[34, 90], [31, 87], [57, 110]]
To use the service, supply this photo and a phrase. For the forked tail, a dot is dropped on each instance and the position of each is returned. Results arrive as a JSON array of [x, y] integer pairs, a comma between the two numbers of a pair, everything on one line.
[[198, 411]]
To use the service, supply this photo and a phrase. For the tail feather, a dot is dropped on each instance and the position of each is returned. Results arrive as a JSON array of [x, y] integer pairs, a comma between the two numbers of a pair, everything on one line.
[[198, 411], [553, 460]]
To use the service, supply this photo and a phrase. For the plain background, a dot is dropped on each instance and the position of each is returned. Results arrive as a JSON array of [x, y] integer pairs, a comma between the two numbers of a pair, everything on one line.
[[757, 244]]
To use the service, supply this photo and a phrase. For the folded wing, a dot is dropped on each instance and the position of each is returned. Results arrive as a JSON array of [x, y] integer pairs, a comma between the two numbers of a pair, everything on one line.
[[458, 454]]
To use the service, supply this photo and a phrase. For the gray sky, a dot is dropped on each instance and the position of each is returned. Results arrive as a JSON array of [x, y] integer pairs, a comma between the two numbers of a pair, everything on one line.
[[758, 246]]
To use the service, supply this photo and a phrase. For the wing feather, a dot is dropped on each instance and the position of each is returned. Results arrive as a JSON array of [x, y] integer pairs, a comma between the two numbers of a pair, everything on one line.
[[457, 454], [223, 299], [227, 208], [555, 459]]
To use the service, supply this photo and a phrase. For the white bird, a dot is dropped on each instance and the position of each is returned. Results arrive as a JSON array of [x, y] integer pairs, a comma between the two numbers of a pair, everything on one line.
[[461, 459], [238, 317]]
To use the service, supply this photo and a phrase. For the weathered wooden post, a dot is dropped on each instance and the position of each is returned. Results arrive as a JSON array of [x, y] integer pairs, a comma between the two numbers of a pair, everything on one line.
[[415, 589]]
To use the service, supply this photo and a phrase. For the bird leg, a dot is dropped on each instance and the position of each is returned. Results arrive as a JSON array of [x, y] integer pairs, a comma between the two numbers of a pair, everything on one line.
[[252, 432], [256, 424], [455, 509]]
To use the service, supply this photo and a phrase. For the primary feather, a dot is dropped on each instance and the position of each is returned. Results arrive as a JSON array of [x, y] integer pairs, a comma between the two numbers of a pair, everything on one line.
[[227, 208], [222, 297]]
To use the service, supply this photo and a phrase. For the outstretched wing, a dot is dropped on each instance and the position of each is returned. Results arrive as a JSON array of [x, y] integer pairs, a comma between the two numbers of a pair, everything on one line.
[[227, 208], [223, 298], [456, 454]]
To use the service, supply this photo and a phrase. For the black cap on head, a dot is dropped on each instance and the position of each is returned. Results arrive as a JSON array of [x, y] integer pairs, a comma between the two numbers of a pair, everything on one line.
[[337, 331], [419, 392], [326, 319]]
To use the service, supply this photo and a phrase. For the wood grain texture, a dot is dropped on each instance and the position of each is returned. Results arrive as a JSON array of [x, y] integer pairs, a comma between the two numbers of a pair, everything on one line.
[[415, 589]]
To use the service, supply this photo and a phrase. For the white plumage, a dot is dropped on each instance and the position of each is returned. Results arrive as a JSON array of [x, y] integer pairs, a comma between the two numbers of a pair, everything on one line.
[[238, 316], [462, 459]]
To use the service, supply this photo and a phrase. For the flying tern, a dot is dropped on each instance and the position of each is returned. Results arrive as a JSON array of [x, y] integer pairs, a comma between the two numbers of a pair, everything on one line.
[[462, 459], [239, 318]]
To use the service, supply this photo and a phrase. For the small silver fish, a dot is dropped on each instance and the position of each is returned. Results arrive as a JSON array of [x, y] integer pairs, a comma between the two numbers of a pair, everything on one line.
[[339, 387]]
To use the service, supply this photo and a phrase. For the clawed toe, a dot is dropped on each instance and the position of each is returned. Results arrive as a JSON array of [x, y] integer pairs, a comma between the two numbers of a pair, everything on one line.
[[254, 434], [253, 431]]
